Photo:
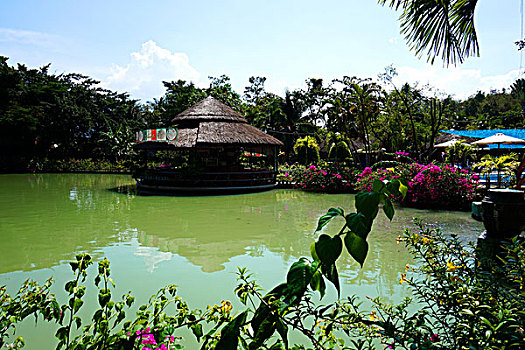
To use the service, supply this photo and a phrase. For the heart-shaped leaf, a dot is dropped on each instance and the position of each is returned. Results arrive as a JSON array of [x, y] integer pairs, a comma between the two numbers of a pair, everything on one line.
[[357, 247], [367, 204], [388, 208], [299, 276], [359, 224], [317, 283], [330, 214], [230, 333], [328, 249], [378, 186]]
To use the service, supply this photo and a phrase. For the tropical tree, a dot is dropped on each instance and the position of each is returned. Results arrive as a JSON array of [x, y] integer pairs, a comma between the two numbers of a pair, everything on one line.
[[358, 105], [307, 150], [505, 164], [443, 29], [262, 109], [338, 149], [458, 153], [222, 90], [179, 96]]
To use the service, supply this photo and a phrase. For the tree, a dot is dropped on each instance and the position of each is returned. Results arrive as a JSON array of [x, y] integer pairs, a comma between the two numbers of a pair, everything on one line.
[[222, 90], [307, 150], [442, 28]]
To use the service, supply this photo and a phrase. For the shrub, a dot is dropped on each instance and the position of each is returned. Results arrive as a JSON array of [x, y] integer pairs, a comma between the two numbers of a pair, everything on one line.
[[460, 305], [307, 150], [429, 186], [327, 178]]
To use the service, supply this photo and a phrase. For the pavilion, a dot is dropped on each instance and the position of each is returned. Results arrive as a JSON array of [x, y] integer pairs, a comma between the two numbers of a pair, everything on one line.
[[213, 150]]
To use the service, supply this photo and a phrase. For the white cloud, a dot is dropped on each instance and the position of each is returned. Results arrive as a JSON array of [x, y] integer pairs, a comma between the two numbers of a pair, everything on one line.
[[462, 83], [28, 37], [142, 77], [393, 41]]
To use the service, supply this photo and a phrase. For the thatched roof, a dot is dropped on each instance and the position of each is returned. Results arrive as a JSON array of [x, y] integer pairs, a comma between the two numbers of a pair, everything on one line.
[[209, 109], [210, 123]]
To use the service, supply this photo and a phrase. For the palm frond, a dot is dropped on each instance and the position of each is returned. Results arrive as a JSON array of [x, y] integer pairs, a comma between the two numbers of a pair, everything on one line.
[[442, 28]]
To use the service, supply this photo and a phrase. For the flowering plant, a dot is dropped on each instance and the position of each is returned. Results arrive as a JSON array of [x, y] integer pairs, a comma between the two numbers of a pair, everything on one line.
[[328, 178], [429, 186], [445, 186]]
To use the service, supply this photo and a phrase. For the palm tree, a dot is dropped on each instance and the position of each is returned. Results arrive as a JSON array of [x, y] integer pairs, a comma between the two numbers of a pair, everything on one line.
[[504, 164], [443, 28]]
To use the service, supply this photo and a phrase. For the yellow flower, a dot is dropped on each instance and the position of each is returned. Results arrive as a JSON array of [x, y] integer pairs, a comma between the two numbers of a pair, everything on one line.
[[403, 278], [408, 267], [426, 240], [451, 267], [226, 306], [399, 239], [373, 316]]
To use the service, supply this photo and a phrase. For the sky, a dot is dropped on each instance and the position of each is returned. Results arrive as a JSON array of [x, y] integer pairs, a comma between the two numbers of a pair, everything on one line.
[[132, 46]]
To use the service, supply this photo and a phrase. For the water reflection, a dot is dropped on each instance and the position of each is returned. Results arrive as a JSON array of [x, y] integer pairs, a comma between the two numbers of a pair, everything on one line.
[[46, 219]]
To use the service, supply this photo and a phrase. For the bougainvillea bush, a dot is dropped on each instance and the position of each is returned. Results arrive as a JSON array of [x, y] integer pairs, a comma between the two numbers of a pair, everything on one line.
[[327, 178], [429, 186]]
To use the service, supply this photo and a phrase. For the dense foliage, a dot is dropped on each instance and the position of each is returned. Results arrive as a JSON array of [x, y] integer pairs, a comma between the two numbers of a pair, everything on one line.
[[429, 186], [323, 177], [64, 116], [61, 116]]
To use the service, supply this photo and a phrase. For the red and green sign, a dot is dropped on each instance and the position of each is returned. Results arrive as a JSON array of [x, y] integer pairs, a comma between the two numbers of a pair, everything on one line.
[[163, 134]]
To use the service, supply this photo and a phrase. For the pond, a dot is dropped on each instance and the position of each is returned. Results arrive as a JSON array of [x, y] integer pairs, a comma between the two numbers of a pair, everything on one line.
[[194, 242]]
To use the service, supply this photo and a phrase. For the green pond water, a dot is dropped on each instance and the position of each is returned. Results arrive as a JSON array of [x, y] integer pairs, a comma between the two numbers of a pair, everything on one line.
[[194, 242]]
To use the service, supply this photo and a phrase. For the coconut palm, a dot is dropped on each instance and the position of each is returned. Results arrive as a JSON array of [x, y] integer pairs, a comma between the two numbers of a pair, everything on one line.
[[505, 164], [442, 28]]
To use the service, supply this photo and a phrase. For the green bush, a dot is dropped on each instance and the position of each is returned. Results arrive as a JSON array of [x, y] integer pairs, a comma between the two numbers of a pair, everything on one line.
[[307, 150]]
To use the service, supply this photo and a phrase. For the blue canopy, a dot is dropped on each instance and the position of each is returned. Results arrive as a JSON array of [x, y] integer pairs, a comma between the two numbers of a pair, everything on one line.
[[518, 133]]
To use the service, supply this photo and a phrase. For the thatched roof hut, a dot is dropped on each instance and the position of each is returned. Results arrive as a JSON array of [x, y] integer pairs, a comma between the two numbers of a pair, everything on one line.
[[210, 123]]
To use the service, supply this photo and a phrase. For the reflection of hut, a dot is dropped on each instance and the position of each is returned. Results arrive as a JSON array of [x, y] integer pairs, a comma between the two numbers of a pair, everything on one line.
[[211, 149]]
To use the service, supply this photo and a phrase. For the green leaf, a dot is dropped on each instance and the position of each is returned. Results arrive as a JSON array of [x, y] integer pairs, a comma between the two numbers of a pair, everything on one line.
[[103, 297], [357, 247], [263, 311], [62, 334], [367, 204], [97, 316], [330, 272], [299, 277], [229, 339], [282, 329], [120, 317], [403, 189], [264, 332], [313, 253], [129, 300], [378, 186], [70, 286], [317, 283], [359, 224], [328, 249], [402, 185], [78, 321], [77, 304], [197, 330], [388, 208], [325, 219]]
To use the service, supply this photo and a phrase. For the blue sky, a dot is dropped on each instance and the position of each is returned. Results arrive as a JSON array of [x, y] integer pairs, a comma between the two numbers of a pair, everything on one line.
[[132, 46]]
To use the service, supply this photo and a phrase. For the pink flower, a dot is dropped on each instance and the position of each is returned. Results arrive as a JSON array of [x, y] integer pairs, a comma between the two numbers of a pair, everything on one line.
[[434, 338]]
